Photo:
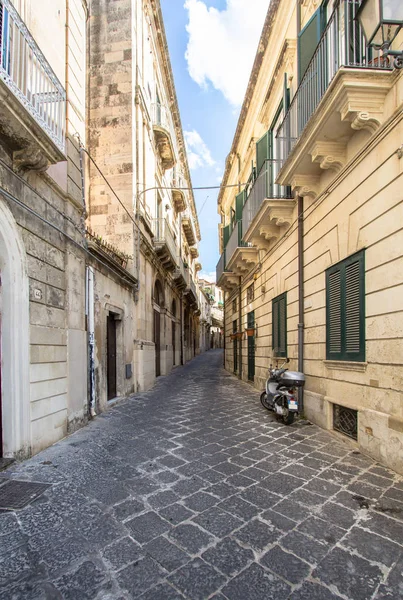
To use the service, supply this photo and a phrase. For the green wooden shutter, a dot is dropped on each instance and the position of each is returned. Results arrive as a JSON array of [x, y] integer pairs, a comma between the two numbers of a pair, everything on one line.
[[345, 309], [226, 235], [279, 325], [308, 40], [239, 202], [262, 152]]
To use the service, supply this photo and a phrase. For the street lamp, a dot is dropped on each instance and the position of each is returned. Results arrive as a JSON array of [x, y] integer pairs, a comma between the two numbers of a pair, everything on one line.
[[381, 21]]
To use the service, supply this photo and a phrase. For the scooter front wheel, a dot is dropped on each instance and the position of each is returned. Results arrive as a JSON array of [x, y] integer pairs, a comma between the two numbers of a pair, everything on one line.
[[264, 400]]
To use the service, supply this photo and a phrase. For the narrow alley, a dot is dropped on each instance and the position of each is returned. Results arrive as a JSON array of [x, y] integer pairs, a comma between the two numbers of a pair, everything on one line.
[[193, 490]]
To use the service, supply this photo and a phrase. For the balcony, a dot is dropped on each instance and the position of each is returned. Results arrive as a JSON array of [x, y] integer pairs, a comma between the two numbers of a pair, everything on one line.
[[188, 228], [344, 89], [178, 192], [225, 278], [32, 99], [269, 208], [180, 275], [191, 290], [164, 135], [241, 256], [164, 243]]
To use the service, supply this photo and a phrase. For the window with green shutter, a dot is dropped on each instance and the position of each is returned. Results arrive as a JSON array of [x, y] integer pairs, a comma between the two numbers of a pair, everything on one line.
[[345, 309], [308, 40], [239, 202], [279, 325], [226, 235], [262, 152]]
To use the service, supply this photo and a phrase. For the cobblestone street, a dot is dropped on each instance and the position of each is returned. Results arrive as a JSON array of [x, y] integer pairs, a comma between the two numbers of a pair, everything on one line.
[[193, 490]]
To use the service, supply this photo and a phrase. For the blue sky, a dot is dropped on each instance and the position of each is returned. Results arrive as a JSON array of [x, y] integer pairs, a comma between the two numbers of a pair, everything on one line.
[[212, 44]]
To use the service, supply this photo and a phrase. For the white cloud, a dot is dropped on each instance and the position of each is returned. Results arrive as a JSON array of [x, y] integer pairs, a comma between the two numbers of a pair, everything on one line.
[[222, 44], [197, 151], [208, 276]]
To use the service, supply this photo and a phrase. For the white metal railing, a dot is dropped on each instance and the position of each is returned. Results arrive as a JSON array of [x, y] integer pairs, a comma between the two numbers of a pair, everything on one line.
[[341, 45], [235, 241], [220, 268], [178, 179], [161, 116], [163, 235], [26, 72], [264, 187]]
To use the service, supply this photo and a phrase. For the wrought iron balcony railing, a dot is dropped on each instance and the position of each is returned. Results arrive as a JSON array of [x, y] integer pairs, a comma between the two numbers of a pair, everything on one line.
[[264, 188], [163, 235], [235, 241], [28, 75], [221, 265], [341, 45]]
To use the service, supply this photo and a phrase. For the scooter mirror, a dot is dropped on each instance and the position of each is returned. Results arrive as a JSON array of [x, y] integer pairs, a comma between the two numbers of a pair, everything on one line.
[[288, 360]]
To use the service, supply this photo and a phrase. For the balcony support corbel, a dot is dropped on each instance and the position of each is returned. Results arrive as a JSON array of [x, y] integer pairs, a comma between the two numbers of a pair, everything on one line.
[[329, 155], [29, 159], [306, 185]]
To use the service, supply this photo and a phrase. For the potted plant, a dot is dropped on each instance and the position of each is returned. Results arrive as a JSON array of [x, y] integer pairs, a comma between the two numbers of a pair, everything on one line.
[[250, 331]]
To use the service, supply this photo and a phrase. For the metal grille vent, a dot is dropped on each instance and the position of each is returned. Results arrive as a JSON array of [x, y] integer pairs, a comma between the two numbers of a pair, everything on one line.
[[345, 420]]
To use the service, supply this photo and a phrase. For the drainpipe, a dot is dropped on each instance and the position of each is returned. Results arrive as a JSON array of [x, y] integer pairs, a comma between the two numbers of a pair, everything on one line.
[[301, 296], [181, 326], [224, 343], [298, 17], [91, 338], [240, 326]]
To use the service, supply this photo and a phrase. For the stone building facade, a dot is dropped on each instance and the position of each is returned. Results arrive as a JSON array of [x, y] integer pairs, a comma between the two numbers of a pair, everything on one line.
[[98, 290], [311, 241], [140, 198], [42, 248]]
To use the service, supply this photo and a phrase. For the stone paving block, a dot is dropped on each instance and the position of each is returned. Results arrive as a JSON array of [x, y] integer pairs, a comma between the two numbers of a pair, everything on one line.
[[239, 507], [300, 471], [127, 509], [255, 583], [168, 555], [162, 499], [337, 515], [257, 535], [85, 582], [240, 481], [351, 575], [282, 484], [191, 538], [277, 520], [171, 461], [176, 513], [166, 477], [373, 547], [228, 557], [285, 564], [140, 576], [200, 501], [15, 566], [222, 490], [259, 497], [321, 530], [306, 498], [162, 592], [148, 526], [188, 486], [218, 522], [305, 547], [121, 553], [313, 591], [197, 580], [31, 591], [385, 526], [102, 531], [212, 476]]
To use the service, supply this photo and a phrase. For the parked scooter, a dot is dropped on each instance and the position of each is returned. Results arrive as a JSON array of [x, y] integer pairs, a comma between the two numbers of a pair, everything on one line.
[[280, 393]]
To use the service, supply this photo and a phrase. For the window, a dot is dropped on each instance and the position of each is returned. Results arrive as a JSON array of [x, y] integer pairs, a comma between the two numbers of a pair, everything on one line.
[[250, 294], [345, 309], [279, 325], [234, 306]]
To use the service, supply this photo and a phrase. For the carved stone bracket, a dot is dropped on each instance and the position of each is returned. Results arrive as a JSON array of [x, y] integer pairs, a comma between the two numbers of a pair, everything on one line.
[[363, 106], [329, 155], [306, 185], [29, 159]]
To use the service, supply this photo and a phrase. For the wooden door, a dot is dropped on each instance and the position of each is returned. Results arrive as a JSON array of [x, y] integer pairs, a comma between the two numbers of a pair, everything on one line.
[[251, 348], [174, 341], [157, 341], [111, 356]]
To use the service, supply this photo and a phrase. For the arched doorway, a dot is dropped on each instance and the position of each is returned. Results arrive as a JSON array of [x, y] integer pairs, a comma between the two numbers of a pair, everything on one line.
[[158, 304], [174, 332], [14, 343]]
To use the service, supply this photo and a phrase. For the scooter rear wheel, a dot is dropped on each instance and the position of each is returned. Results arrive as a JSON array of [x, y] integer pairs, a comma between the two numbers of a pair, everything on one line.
[[288, 418], [264, 400]]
